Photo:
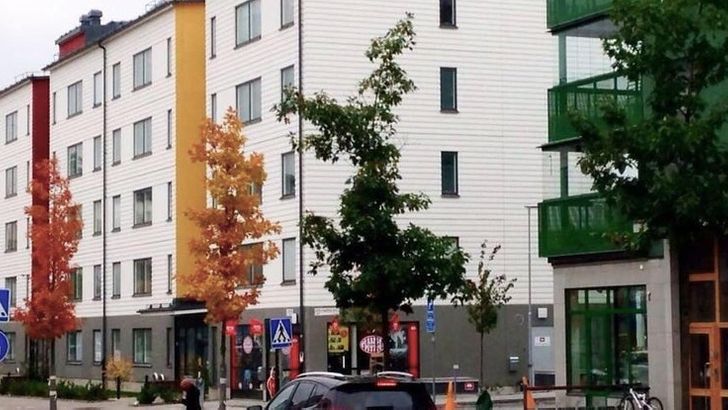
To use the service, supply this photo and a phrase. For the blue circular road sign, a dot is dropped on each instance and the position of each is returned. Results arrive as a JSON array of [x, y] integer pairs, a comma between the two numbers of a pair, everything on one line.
[[4, 345]]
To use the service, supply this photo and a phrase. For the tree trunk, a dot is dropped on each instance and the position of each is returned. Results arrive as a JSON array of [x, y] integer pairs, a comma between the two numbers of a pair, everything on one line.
[[223, 368], [482, 381], [385, 338], [52, 395]]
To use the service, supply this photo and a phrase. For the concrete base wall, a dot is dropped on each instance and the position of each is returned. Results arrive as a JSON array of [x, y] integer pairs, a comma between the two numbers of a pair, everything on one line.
[[660, 277]]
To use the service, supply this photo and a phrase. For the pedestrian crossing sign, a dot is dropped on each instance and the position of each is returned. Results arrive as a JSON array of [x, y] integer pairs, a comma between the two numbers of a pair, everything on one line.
[[4, 305], [281, 332]]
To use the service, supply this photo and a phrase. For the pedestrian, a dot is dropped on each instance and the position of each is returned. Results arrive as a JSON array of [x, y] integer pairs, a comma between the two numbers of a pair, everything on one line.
[[271, 383], [190, 394]]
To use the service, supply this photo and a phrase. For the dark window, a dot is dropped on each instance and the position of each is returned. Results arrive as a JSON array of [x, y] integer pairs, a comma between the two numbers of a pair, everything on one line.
[[97, 282], [288, 173], [11, 127], [75, 98], [74, 346], [447, 13], [116, 213], [116, 146], [11, 236], [143, 207], [247, 22], [170, 347], [75, 160], [11, 182], [302, 394], [142, 347], [169, 274], [169, 129], [283, 397], [449, 172], [11, 347], [143, 276], [98, 151], [213, 38], [116, 279], [448, 89], [77, 284], [169, 56], [97, 217]]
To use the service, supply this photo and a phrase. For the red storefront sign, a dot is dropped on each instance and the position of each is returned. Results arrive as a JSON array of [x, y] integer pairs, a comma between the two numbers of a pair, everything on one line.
[[372, 344], [256, 327], [230, 327]]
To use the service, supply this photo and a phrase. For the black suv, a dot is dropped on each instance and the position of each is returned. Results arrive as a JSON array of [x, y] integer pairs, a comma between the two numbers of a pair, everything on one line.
[[333, 391]]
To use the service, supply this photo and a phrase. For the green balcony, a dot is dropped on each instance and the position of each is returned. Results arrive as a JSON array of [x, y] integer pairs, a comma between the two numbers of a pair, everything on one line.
[[577, 226], [586, 97], [563, 13]]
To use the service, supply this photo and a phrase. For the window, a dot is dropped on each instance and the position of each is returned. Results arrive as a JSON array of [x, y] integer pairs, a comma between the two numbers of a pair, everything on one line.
[[449, 172], [288, 171], [97, 346], [606, 329], [286, 13], [11, 182], [77, 284], [11, 346], [289, 260], [97, 282], [170, 346], [143, 137], [169, 56], [74, 346], [248, 100], [142, 346], [143, 207], [27, 233], [54, 107], [75, 160], [213, 37], [97, 153], [169, 201], [98, 89], [143, 68], [247, 22], [97, 217], [169, 274], [283, 398], [11, 236], [143, 276], [116, 279], [447, 13], [27, 176], [116, 213], [116, 343], [75, 98], [78, 213], [287, 79], [116, 146], [11, 127], [213, 107], [27, 119], [116, 80], [169, 129], [257, 191], [11, 284], [255, 270], [448, 89]]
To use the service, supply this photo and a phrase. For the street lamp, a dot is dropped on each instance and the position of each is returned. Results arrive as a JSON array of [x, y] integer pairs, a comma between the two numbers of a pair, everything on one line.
[[530, 307]]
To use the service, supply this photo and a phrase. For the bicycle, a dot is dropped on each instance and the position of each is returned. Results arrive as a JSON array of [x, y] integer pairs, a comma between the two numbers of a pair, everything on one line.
[[633, 401]]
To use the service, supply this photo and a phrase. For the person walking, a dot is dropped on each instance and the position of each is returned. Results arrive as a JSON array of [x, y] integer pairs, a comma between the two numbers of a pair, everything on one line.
[[190, 394], [271, 384]]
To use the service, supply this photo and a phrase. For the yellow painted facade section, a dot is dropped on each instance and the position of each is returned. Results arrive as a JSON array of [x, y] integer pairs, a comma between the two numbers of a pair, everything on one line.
[[189, 116]]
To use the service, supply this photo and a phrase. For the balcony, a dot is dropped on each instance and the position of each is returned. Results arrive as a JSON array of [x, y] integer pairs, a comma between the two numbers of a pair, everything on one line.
[[563, 13], [577, 225], [586, 97]]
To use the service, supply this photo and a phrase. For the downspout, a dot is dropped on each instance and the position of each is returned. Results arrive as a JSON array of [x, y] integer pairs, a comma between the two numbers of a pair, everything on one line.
[[301, 307], [103, 227]]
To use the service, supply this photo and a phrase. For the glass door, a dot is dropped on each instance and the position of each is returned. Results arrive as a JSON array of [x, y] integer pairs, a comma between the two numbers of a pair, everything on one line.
[[704, 377]]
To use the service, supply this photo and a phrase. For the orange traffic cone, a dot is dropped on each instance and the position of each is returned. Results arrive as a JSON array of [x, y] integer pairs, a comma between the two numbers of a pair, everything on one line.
[[450, 402]]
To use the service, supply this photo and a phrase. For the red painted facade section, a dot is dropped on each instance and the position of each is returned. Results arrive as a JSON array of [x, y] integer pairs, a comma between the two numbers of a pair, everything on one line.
[[40, 129], [72, 44]]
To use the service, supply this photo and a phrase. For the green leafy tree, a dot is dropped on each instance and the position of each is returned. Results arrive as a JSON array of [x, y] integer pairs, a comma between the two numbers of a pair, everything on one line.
[[679, 50], [485, 297], [374, 264]]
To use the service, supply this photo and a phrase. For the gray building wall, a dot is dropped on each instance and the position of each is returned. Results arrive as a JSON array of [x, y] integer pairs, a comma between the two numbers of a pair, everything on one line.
[[660, 276]]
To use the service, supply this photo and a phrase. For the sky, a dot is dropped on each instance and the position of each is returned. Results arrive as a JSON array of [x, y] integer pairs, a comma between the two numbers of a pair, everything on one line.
[[29, 29]]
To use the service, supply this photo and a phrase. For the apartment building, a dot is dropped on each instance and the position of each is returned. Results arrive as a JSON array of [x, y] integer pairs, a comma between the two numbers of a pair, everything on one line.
[[467, 135], [617, 316], [24, 116]]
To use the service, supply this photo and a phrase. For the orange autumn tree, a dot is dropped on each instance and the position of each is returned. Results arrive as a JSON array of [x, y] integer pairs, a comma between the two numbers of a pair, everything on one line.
[[50, 312], [223, 251]]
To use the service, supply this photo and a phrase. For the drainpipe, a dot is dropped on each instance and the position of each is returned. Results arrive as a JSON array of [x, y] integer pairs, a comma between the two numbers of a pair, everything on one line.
[[302, 311], [103, 227]]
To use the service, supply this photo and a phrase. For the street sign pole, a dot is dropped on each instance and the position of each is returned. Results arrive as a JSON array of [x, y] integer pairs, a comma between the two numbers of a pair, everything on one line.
[[430, 326], [434, 392]]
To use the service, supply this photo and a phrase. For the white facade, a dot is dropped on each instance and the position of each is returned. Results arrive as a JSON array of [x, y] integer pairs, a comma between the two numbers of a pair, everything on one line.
[[504, 60], [16, 137], [153, 170]]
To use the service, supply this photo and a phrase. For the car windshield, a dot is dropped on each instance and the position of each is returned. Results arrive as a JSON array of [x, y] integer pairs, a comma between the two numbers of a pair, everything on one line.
[[372, 397]]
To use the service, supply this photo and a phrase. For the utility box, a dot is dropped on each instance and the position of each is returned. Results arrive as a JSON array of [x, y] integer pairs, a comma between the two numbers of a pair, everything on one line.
[[513, 362]]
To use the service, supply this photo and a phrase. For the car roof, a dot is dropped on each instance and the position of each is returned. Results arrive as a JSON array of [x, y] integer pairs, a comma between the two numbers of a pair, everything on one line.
[[331, 381]]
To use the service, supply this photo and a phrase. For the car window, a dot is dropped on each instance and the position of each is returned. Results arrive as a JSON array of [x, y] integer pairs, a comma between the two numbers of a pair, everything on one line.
[[283, 400], [369, 397], [300, 398], [316, 395]]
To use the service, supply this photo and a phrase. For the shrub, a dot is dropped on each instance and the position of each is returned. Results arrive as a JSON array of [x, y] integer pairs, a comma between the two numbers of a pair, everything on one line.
[[24, 387], [169, 395], [147, 394], [95, 392], [119, 367]]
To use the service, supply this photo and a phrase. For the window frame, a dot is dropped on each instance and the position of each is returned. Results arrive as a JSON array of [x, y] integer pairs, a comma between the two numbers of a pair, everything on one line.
[[169, 128], [75, 167], [169, 273], [11, 283], [97, 347], [77, 284], [169, 56], [249, 36], [77, 358], [213, 37], [12, 339], [145, 128], [116, 81], [143, 288], [147, 204], [144, 59], [98, 272], [98, 217], [98, 153], [116, 147], [453, 22], [292, 69], [285, 24], [284, 253], [146, 354], [53, 107], [250, 84], [11, 236], [98, 89], [116, 343], [11, 181], [11, 127], [116, 280], [455, 177], [116, 213], [213, 107], [169, 201], [454, 107], [77, 98], [284, 168]]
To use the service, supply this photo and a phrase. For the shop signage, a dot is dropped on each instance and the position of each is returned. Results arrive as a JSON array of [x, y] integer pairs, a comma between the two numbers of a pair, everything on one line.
[[338, 339], [372, 344], [256, 327], [542, 341], [469, 386], [326, 311], [230, 326]]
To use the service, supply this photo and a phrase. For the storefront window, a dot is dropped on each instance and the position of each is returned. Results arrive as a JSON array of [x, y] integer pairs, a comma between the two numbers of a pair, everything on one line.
[[247, 369], [607, 336]]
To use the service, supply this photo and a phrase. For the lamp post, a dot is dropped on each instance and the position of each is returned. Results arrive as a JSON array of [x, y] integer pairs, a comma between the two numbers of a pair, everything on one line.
[[530, 305]]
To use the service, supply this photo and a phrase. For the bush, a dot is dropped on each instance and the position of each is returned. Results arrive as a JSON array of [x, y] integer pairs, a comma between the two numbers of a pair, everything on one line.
[[168, 394], [23, 387], [95, 392], [147, 394], [89, 392]]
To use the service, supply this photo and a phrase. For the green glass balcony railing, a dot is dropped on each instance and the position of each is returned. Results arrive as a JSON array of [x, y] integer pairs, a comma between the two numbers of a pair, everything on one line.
[[586, 96], [563, 12], [577, 226]]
